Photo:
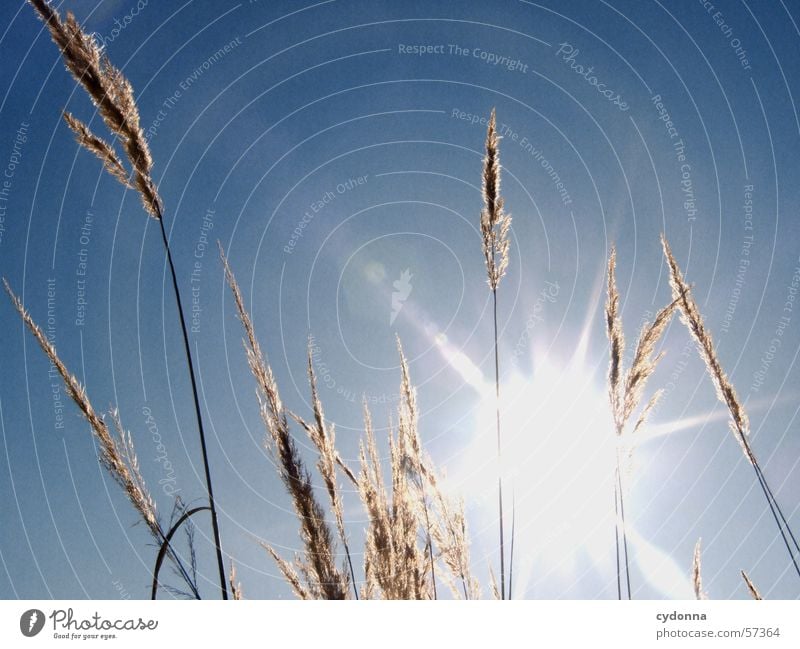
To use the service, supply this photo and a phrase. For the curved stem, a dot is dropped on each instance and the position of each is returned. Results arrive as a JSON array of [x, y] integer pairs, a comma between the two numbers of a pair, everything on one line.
[[214, 523], [162, 552]]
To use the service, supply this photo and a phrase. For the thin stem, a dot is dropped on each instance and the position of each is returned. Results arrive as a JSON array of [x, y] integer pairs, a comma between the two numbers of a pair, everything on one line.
[[499, 451], [430, 545], [167, 549], [772, 502], [616, 538], [187, 349], [511, 554], [624, 534], [777, 506], [181, 568], [350, 563]]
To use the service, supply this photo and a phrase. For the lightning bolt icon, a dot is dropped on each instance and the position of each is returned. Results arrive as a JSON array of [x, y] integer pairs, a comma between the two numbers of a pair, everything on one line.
[[32, 621]]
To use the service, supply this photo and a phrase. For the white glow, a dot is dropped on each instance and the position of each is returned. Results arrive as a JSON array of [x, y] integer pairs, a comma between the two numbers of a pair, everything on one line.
[[660, 570], [463, 365], [558, 455]]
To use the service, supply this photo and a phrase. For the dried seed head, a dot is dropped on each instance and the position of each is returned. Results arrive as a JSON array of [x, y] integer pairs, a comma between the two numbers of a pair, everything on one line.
[[697, 580], [751, 587], [495, 223], [112, 94], [690, 316]]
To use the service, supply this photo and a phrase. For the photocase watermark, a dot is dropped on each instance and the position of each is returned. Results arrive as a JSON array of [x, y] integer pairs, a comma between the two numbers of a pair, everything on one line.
[[744, 258], [781, 325], [14, 159], [120, 25], [454, 49], [82, 268], [67, 626], [52, 373], [727, 31], [569, 55], [548, 295], [504, 130], [170, 102], [168, 481], [326, 378], [318, 205], [402, 291], [680, 367], [679, 150], [122, 592], [31, 622], [197, 267]]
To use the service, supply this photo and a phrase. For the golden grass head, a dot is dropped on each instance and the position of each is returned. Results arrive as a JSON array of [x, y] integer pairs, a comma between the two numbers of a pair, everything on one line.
[[112, 94], [626, 388], [697, 580], [117, 455], [691, 317], [751, 588], [323, 578], [495, 223]]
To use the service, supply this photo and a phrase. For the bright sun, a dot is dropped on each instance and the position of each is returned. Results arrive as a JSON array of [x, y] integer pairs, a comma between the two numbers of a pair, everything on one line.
[[559, 456]]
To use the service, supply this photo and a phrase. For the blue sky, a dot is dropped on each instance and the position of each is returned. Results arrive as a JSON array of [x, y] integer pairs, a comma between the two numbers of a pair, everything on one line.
[[339, 165]]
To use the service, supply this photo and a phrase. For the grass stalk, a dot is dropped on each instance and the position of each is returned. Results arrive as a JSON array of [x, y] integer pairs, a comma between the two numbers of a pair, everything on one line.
[[495, 224], [726, 393], [625, 391], [112, 94]]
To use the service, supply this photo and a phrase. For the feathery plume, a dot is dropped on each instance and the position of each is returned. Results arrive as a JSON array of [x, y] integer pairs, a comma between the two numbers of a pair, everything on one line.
[[379, 554], [117, 456], [324, 438], [289, 573], [235, 584], [495, 223], [409, 431], [102, 149], [697, 580], [751, 587], [493, 584], [452, 541], [112, 94], [739, 423], [617, 343], [326, 579], [690, 316], [626, 388]]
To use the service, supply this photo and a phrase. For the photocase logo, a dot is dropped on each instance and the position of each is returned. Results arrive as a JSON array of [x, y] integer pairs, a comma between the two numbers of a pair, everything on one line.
[[402, 289], [31, 622]]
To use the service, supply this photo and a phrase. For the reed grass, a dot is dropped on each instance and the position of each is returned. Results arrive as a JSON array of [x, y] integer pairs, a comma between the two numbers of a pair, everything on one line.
[[495, 226], [322, 577], [739, 423], [235, 584], [625, 391], [697, 578], [750, 586], [117, 452], [416, 535], [396, 565], [112, 94]]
